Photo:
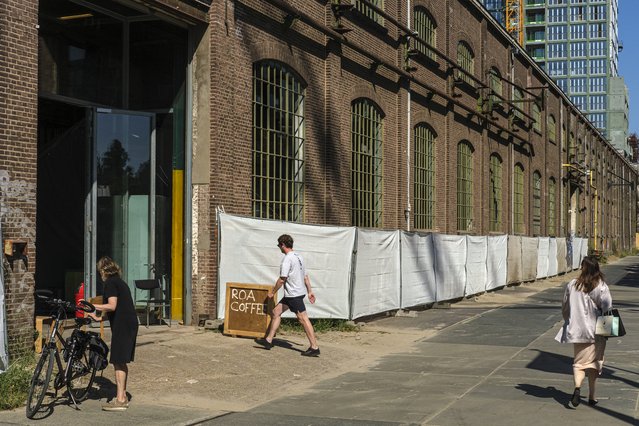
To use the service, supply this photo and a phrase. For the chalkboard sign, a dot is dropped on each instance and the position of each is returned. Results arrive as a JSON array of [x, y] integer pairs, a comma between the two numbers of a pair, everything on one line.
[[247, 309]]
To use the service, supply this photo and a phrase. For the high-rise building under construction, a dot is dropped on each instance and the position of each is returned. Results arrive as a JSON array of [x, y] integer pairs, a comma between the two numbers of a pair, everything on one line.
[[577, 43]]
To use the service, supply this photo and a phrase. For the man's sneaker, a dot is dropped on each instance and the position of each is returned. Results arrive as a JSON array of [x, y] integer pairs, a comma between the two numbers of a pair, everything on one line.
[[115, 405], [264, 343], [311, 352]]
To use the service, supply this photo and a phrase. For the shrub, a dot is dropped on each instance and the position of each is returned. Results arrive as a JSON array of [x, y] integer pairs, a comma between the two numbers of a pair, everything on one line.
[[14, 383]]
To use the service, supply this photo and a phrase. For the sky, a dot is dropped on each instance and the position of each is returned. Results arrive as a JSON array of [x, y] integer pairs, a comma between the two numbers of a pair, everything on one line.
[[629, 57]]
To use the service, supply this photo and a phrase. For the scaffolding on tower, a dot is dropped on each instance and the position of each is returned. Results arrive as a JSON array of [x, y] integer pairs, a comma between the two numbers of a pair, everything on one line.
[[514, 22]]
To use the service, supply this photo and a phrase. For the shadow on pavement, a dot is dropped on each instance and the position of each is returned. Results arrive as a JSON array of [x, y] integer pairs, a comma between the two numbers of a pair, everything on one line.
[[561, 397]]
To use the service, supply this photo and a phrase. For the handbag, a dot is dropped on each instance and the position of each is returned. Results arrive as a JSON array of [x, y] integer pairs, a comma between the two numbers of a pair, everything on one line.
[[609, 324]]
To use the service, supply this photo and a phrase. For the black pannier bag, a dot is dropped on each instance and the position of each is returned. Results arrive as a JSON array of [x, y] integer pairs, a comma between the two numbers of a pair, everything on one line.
[[98, 352]]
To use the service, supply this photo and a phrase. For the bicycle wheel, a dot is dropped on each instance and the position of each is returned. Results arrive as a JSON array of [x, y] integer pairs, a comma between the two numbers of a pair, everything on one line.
[[80, 375], [40, 381]]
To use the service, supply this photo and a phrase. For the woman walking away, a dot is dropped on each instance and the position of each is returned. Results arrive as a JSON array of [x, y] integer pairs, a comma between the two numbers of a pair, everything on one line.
[[585, 298], [124, 327]]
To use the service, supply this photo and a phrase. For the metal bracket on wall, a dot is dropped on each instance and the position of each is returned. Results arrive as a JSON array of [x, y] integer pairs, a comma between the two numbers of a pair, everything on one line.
[[338, 8]]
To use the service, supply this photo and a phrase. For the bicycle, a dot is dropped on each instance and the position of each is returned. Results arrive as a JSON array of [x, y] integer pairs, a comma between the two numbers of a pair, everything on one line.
[[78, 352]]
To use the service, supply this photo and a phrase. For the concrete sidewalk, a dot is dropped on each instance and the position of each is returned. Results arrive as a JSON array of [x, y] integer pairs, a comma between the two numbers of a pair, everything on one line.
[[486, 365]]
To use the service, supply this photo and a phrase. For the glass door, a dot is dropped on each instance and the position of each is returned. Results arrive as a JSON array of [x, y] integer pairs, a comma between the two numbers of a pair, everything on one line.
[[120, 208]]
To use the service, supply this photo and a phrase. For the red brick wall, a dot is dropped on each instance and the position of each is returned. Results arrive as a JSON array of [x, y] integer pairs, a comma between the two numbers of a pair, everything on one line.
[[18, 151]]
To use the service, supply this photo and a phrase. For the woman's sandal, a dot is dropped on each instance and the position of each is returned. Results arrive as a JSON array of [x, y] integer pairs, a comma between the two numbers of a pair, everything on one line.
[[576, 397]]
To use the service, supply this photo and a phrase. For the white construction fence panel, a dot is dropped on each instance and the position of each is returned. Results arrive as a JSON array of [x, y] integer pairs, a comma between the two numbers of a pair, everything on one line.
[[515, 272], [584, 250], [542, 257], [552, 257], [529, 254], [248, 254], [450, 266], [562, 266], [496, 261], [476, 269], [4, 349], [377, 282], [576, 253], [418, 270]]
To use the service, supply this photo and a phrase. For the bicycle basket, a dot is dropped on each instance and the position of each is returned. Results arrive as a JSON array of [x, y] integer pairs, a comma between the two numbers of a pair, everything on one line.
[[98, 352]]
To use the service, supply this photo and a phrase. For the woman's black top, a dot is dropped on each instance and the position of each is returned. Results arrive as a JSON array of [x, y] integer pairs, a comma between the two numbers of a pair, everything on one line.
[[123, 321]]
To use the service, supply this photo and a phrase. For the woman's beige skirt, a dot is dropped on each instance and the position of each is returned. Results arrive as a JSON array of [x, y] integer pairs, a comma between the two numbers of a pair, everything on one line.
[[590, 355]]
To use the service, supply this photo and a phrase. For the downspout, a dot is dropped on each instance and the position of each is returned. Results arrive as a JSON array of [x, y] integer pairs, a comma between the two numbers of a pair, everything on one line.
[[594, 245], [408, 130], [188, 195], [512, 147]]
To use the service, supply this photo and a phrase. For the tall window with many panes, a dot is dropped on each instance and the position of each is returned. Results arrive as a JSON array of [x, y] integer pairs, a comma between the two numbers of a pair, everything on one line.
[[278, 143], [466, 61], [424, 177], [518, 199], [424, 25], [552, 189], [495, 196], [464, 186], [536, 207], [366, 164], [369, 12]]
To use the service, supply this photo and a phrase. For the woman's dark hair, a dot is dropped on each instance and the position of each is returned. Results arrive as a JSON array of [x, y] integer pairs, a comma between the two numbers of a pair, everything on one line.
[[590, 275], [108, 267]]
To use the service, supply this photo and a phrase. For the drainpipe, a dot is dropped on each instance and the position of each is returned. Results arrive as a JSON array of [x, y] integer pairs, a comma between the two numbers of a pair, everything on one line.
[[188, 196], [408, 130]]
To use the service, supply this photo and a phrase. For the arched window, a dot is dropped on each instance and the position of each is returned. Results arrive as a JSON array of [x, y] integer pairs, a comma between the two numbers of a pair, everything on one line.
[[572, 148], [536, 222], [424, 177], [552, 193], [518, 200], [518, 101], [466, 61], [536, 116], [494, 81], [369, 12], [278, 142], [366, 164], [464, 186], [552, 129], [495, 196], [424, 25]]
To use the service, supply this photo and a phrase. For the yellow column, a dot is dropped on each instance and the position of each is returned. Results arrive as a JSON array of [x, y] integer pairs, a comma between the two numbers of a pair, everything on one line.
[[177, 245]]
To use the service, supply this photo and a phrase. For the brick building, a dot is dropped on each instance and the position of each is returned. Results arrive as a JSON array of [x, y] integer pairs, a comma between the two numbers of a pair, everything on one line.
[[421, 115]]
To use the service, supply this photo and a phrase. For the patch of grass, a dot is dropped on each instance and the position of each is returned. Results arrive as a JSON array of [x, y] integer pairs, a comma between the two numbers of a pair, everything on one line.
[[14, 383], [321, 325]]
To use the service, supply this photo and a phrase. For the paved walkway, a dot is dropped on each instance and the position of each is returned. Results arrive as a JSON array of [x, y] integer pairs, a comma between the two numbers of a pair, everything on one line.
[[486, 366]]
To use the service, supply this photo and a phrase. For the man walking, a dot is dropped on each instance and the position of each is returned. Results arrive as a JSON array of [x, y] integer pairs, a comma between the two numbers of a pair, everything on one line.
[[296, 285]]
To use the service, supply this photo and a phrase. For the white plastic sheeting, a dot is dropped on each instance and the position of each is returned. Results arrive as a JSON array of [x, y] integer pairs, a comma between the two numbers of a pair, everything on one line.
[[552, 257], [418, 270], [515, 272], [476, 269], [543, 248], [377, 281], [529, 246], [496, 261], [576, 253], [562, 266], [4, 355], [584, 249], [248, 254], [450, 266]]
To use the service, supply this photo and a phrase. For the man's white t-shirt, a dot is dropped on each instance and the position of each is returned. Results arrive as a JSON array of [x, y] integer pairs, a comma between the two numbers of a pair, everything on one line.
[[292, 268]]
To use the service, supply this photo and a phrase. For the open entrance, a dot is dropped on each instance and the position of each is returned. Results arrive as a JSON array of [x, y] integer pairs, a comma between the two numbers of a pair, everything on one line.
[[111, 130]]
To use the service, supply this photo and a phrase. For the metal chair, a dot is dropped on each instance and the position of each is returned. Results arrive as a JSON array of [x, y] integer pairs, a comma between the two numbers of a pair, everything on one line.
[[155, 287]]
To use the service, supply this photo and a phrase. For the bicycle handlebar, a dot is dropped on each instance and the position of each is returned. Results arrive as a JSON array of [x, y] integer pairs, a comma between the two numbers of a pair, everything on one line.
[[45, 296]]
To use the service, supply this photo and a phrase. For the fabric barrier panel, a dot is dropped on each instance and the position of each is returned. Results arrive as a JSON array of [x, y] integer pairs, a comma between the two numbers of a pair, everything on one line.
[[576, 253], [418, 270], [248, 254], [450, 266], [515, 272], [377, 273], [584, 250], [496, 261], [542, 257], [562, 266], [4, 348], [529, 251], [552, 257], [476, 269]]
